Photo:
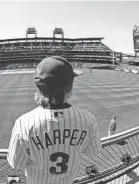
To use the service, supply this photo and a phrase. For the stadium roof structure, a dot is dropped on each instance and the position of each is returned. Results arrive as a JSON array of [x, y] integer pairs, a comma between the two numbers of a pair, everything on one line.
[[52, 38], [92, 38]]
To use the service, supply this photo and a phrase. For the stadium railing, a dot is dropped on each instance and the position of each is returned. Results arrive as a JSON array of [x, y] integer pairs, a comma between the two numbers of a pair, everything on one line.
[[117, 163]]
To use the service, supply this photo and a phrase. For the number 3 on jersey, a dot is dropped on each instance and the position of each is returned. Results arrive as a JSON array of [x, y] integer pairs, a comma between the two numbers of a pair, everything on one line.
[[63, 164]]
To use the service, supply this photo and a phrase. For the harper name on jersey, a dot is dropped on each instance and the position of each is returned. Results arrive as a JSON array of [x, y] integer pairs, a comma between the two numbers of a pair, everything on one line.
[[75, 137], [47, 143]]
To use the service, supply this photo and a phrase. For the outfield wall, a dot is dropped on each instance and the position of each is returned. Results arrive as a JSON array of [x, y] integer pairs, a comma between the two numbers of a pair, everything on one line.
[[127, 70], [117, 163]]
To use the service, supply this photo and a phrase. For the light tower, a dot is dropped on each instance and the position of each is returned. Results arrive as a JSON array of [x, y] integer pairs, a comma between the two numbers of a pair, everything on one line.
[[31, 31], [58, 31]]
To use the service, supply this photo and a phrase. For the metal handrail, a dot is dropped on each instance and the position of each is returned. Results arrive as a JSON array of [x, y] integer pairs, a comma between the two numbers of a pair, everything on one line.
[[115, 171]]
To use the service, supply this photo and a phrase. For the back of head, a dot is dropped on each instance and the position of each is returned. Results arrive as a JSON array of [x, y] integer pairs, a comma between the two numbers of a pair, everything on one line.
[[54, 79], [114, 116]]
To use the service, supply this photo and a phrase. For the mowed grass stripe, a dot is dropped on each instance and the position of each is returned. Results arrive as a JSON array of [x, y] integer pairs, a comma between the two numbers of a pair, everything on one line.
[[109, 77], [107, 93], [101, 92], [13, 103]]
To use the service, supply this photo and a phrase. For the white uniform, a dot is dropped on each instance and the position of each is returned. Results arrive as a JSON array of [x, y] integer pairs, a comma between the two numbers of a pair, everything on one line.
[[112, 127], [47, 143]]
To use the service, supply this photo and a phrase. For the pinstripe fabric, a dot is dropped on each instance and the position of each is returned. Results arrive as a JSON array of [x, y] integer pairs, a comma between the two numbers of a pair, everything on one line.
[[47, 143]]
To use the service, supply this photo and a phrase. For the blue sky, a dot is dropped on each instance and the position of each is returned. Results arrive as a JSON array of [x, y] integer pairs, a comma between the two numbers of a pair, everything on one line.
[[113, 20]]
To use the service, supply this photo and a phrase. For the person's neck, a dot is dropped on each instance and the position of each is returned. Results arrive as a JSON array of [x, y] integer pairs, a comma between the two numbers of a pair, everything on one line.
[[64, 105]]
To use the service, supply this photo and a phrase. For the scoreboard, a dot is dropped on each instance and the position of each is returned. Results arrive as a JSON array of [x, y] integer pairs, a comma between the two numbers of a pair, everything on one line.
[[136, 38]]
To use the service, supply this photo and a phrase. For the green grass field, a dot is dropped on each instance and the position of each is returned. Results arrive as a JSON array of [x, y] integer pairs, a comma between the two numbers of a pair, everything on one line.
[[102, 92]]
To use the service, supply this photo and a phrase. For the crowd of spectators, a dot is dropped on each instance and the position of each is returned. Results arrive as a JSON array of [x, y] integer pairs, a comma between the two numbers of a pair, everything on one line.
[[17, 66], [128, 67]]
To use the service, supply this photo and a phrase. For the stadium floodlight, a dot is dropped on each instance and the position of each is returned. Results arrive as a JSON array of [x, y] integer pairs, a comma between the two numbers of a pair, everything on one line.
[[58, 31], [31, 31]]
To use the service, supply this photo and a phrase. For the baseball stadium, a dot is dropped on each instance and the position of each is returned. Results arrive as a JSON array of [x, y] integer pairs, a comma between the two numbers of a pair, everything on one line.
[[109, 85]]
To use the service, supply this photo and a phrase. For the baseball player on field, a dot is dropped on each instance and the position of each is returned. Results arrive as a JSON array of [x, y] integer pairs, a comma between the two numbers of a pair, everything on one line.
[[112, 126], [47, 142]]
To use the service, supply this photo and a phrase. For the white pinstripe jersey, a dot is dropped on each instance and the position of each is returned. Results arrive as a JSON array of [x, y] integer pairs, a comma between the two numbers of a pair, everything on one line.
[[47, 143]]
